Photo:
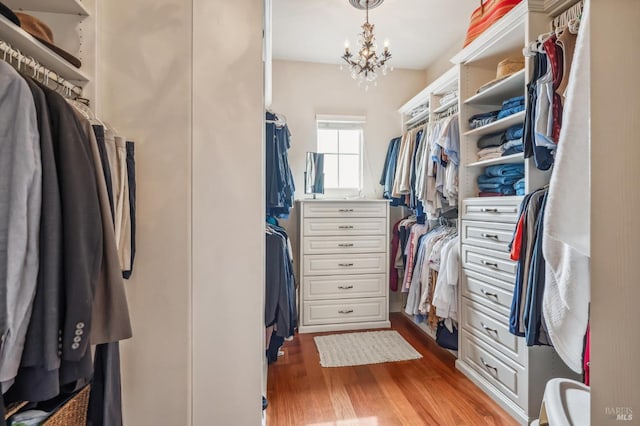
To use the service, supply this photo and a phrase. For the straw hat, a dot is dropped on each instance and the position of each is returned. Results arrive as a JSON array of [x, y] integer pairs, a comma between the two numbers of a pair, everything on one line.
[[506, 68]]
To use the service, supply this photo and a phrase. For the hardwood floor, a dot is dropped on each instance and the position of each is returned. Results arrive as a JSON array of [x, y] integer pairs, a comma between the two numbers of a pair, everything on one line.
[[428, 391]]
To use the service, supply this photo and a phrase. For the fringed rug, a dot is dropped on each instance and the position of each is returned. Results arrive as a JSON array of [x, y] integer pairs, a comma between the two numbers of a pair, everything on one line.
[[372, 347]]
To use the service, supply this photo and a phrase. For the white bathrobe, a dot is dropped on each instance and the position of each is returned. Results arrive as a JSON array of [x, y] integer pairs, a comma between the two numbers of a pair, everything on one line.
[[566, 244]]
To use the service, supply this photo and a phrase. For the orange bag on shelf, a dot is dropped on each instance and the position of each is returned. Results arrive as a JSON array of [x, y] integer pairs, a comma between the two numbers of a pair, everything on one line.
[[486, 15]]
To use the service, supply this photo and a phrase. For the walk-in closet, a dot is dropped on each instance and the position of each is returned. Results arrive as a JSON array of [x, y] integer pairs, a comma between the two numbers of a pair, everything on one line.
[[443, 252], [319, 212]]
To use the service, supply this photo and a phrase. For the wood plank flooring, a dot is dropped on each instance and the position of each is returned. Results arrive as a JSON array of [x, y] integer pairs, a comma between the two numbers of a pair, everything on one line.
[[428, 391]]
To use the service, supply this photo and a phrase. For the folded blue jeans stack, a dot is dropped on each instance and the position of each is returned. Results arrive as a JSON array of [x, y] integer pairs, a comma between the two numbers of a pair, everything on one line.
[[480, 120], [519, 187], [511, 106], [514, 142], [501, 179]]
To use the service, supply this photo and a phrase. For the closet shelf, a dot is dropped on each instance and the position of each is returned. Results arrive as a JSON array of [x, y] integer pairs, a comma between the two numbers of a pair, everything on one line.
[[70, 7], [509, 159], [424, 114], [503, 39], [446, 106], [509, 87], [29, 46], [499, 125]]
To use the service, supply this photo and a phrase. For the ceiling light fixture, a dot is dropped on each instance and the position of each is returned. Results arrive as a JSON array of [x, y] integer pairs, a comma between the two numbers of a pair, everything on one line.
[[364, 66]]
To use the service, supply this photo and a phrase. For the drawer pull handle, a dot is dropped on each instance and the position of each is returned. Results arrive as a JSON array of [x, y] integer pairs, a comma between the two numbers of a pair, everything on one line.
[[345, 227], [489, 329], [345, 265], [345, 210], [487, 294], [345, 287], [490, 237], [491, 264], [487, 210], [488, 366], [346, 245], [345, 311]]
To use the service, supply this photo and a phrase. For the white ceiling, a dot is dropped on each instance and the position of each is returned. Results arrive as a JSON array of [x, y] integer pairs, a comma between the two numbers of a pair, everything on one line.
[[419, 31]]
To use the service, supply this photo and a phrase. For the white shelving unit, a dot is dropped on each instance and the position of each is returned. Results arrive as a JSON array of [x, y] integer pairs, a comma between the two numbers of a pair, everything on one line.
[[497, 126], [500, 363], [70, 7], [29, 46], [509, 159], [510, 87], [430, 95], [75, 30]]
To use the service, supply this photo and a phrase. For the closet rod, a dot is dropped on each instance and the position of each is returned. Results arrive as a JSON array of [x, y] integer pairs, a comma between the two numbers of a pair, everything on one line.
[[449, 112], [573, 13], [15, 58]]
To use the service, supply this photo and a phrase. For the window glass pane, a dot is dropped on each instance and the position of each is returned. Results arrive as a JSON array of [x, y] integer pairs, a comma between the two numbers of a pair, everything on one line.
[[350, 141], [327, 140], [331, 171], [349, 171]]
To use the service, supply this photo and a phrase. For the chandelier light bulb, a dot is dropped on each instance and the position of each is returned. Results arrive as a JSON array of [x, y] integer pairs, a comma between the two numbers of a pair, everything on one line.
[[386, 43], [346, 44]]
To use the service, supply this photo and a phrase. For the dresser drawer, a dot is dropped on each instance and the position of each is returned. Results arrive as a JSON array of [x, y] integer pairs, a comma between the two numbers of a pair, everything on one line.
[[495, 236], [493, 263], [493, 328], [344, 264], [491, 209], [495, 294], [347, 244], [508, 378], [346, 226], [345, 311], [341, 209], [344, 286]]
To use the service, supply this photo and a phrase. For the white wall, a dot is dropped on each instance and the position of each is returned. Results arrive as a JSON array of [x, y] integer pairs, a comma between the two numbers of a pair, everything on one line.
[[303, 89], [615, 200], [228, 213], [196, 115], [146, 94]]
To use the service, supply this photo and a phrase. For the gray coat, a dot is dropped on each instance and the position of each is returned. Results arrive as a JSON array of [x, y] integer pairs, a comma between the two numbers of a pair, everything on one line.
[[20, 203], [37, 379]]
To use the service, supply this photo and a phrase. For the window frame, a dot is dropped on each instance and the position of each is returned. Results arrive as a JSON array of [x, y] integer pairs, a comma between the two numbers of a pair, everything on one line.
[[338, 123]]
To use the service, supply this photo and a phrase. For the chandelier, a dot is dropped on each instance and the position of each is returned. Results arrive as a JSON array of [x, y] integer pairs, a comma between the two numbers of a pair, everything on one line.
[[364, 66]]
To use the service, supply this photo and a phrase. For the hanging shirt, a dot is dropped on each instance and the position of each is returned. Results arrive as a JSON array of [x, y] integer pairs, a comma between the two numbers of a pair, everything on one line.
[[20, 208]]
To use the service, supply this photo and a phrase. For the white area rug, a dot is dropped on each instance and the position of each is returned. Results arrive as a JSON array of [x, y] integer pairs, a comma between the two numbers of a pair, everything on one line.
[[372, 347]]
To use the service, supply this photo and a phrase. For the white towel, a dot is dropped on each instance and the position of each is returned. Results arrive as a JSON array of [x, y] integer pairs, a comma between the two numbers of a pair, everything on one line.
[[566, 243]]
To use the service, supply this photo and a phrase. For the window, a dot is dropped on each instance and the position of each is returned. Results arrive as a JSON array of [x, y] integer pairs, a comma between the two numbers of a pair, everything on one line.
[[340, 140]]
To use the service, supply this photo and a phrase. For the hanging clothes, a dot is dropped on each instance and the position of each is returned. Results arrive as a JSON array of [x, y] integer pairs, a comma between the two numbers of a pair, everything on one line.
[[280, 297], [62, 284], [566, 244], [280, 187]]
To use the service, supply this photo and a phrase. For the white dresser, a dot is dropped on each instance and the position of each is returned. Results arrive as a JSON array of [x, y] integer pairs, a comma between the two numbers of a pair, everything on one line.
[[496, 360], [344, 265]]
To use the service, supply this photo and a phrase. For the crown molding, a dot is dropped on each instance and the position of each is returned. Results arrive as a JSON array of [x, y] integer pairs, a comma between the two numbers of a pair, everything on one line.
[[537, 5], [555, 7]]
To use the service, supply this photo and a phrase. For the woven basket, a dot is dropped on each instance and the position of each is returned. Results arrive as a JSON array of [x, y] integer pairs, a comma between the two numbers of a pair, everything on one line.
[[73, 412], [13, 408]]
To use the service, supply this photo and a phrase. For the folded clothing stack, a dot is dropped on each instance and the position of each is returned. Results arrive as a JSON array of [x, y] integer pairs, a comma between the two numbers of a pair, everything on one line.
[[480, 120], [501, 180], [511, 106], [501, 144], [448, 97]]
